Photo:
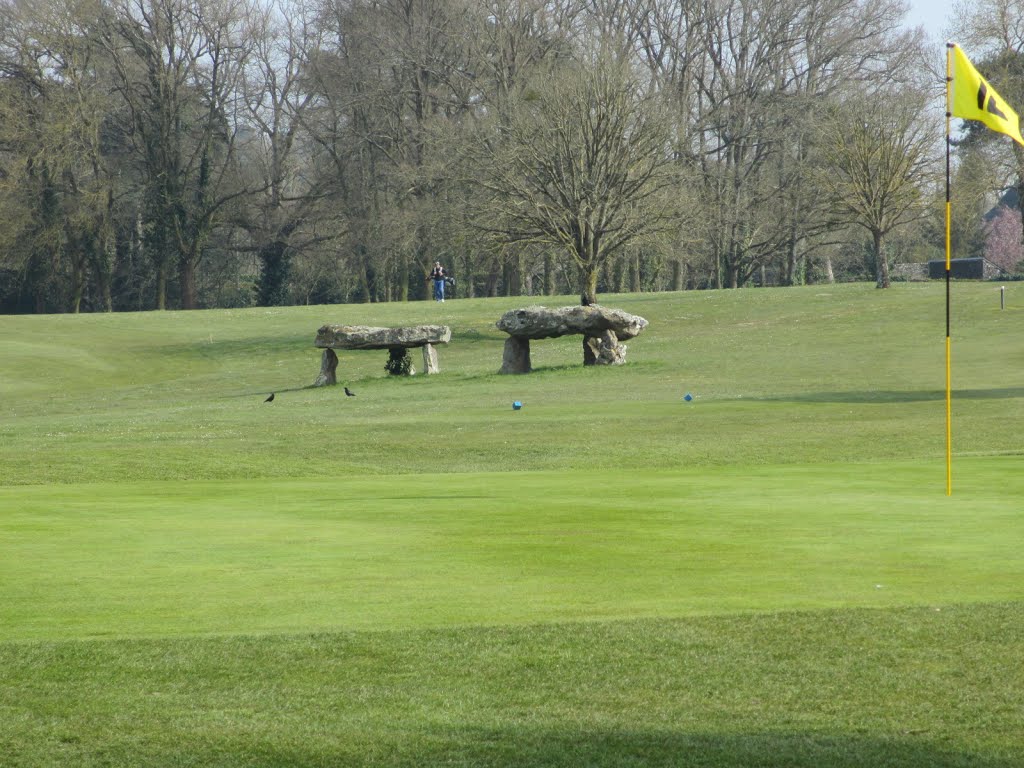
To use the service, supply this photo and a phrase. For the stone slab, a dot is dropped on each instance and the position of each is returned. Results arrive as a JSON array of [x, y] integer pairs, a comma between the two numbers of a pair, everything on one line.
[[369, 337]]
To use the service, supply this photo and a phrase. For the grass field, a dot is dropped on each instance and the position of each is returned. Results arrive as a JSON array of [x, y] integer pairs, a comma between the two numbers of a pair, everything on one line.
[[769, 575]]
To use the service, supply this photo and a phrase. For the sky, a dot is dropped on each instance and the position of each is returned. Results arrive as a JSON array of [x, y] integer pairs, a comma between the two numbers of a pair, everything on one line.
[[933, 15]]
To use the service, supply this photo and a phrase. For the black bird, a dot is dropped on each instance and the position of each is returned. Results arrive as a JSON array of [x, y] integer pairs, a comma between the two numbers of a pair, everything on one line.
[[270, 399], [349, 392]]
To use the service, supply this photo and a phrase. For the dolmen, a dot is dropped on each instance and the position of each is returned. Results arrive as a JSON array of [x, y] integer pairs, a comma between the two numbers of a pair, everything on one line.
[[602, 330], [398, 342]]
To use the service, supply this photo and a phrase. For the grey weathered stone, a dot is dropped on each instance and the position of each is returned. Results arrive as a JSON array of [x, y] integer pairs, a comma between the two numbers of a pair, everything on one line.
[[545, 323], [603, 349], [600, 327], [516, 356], [396, 340], [328, 368], [368, 337], [430, 359]]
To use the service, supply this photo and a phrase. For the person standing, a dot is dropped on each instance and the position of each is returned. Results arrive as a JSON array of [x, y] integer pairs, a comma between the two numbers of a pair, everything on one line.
[[437, 275]]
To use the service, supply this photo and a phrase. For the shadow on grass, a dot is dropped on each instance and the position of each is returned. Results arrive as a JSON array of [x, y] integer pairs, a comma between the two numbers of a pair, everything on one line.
[[260, 393], [527, 747], [889, 396]]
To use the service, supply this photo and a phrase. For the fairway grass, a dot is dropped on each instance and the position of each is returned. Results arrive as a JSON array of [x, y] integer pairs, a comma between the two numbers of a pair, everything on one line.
[[850, 688], [767, 575]]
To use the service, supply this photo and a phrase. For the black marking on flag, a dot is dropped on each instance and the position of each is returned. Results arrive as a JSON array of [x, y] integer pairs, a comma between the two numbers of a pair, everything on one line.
[[992, 107]]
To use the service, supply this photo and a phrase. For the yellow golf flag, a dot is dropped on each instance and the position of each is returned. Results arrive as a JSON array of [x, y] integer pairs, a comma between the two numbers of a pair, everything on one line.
[[975, 99]]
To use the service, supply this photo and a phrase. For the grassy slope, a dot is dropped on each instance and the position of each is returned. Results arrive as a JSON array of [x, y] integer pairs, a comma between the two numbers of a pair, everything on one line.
[[147, 490], [777, 375]]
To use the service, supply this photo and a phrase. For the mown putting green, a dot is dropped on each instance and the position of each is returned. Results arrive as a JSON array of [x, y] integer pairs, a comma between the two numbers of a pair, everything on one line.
[[413, 551]]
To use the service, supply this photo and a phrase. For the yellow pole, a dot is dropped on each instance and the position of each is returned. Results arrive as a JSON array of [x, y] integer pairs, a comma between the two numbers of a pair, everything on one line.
[[949, 378]]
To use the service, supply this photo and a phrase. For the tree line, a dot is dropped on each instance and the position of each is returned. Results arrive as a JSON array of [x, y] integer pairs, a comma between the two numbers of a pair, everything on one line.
[[199, 153]]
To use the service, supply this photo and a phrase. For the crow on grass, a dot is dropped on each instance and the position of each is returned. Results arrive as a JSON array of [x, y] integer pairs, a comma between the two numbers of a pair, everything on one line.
[[270, 399], [349, 392]]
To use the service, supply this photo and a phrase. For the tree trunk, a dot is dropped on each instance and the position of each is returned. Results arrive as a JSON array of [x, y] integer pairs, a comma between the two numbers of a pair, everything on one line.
[[187, 277], [512, 276], [615, 275], [274, 270], [364, 280], [881, 262], [161, 285], [634, 274], [549, 274], [677, 275], [789, 273], [103, 269], [466, 279], [491, 290], [403, 279], [589, 295], [77, 286]]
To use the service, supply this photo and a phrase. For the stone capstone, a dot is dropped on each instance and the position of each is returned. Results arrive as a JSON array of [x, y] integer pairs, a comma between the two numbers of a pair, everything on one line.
[[368, 337], [397, 341], [601, 328], [592, 321]]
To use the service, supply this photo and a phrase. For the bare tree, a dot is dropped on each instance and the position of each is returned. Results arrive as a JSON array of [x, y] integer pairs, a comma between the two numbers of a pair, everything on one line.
[[584, 166], [59, 127], [388, 75], [765, 68], [178, 63], [879, 150], [288, 189], [1003, 246]]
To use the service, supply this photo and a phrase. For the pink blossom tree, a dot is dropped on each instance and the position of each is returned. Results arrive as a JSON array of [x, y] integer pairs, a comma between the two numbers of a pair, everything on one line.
[[1003, 246]]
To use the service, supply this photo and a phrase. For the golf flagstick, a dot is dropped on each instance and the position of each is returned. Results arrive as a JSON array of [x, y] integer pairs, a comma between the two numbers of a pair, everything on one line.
[[971, 97], [949, 397]]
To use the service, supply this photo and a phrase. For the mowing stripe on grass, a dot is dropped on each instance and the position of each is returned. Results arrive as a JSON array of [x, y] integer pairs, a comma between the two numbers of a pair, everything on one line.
[[502, 548], [893, 688]]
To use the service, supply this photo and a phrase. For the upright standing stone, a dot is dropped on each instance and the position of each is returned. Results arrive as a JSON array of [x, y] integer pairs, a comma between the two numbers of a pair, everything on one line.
[[328, 369], [430, 359], [516, 357], [603, 349]]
